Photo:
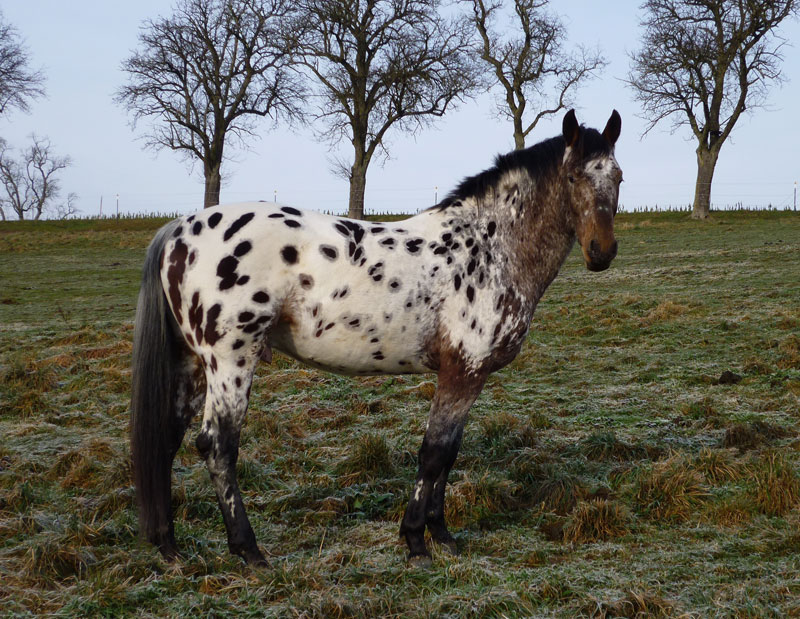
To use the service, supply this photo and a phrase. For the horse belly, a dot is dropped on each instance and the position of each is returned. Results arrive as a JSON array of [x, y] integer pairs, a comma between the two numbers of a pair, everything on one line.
[[362, 348]]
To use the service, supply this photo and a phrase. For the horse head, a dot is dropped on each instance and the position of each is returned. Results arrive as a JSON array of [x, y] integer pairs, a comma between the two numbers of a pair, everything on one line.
[[592, 176]]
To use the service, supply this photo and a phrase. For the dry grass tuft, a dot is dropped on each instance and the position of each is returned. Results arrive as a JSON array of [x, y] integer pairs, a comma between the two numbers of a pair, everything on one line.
[[546, 485], [370, 457], [732, 511], [753, 434], [597, 520], [634, 605], [777, 486], [718, 466], [477, 498], [789, 349], [671, 490], [606, 446], [664, 312], [426, 390]]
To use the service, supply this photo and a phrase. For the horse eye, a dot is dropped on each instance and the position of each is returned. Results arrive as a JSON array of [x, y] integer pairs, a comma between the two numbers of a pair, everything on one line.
[[571, 178]]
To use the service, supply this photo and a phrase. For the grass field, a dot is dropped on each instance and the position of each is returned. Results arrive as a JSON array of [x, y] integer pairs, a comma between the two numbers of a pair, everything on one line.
[[641, 457]]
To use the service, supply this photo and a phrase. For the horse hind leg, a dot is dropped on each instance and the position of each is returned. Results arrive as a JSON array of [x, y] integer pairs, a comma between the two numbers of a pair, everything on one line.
[[227, 396]]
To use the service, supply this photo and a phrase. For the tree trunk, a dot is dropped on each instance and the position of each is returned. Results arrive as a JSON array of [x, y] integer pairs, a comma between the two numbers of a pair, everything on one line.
[[519, 134], [706, 162], [213, 182], [358, 183]]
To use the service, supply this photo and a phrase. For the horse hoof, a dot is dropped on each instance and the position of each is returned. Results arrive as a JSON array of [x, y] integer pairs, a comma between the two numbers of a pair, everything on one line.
[[420, 562], [449, 547], [254, 558]]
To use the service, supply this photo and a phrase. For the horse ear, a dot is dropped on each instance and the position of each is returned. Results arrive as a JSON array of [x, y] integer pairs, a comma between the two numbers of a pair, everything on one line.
[[613, 128], [570, 129]]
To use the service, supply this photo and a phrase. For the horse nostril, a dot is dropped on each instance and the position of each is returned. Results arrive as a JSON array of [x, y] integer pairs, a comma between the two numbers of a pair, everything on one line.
[[593, 249]]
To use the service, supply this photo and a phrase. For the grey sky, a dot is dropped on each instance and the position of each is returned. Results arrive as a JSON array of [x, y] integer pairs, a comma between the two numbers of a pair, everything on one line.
[[80, 45]]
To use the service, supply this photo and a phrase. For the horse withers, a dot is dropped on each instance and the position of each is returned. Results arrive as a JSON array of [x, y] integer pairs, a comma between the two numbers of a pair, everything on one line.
[[451, 290]]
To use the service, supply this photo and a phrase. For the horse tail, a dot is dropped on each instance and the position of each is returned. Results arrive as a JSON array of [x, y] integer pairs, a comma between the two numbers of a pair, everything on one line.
[[153, 424]]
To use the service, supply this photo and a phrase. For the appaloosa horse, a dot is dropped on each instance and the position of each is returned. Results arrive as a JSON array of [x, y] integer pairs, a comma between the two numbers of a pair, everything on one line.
[[451, 291]]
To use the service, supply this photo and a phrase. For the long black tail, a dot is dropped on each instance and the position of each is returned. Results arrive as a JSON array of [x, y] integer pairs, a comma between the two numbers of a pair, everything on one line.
[[155, 357]]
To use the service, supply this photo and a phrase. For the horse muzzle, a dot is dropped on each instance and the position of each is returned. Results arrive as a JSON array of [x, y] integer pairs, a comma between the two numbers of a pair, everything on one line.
[[597, 257]]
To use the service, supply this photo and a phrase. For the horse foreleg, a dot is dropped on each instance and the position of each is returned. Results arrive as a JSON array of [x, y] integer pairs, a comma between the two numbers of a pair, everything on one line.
[[218, 444], [451, 403]]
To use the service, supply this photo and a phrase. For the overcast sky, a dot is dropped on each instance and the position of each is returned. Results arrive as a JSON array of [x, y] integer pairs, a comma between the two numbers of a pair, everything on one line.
[[81, 44]]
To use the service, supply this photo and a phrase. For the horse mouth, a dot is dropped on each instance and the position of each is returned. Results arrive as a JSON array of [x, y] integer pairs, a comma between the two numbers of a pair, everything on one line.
[[598, 266]]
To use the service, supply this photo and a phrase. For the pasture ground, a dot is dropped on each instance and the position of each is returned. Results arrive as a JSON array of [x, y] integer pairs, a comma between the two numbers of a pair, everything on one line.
[[640, 458]]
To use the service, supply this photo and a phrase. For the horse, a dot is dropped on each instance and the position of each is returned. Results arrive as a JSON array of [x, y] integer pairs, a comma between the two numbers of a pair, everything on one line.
[[451, 290]]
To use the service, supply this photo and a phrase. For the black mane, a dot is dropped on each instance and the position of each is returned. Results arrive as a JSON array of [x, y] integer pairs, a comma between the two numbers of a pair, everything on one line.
[[538, 160]]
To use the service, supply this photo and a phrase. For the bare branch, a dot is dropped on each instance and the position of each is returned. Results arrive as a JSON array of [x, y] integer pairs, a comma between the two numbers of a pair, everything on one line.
[[530, 69], [379, 65], [18, 83], [203, 76]]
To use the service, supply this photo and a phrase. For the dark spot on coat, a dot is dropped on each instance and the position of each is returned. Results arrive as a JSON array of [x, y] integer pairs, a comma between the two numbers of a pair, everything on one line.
[[237, 344], [242, 280], [440, 250], [330, 252], [470, 294], [246, 316], [289, 254], [292, 223], [457, 281], [276, 216], [306, 281], [210, 333], [412, 245], [178, 231], [387, 242], [197, 227], [291, 211], [261, 297], [226, 271], [237, 225], [177, 268], [491, 228], [242, 248], [214, 220], [377, 230]]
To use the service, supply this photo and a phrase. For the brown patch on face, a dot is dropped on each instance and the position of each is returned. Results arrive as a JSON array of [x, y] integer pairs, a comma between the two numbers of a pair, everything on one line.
[[177, 268]]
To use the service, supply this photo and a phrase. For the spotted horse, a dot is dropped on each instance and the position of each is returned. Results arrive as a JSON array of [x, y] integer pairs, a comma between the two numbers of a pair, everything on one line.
[[451, 290]]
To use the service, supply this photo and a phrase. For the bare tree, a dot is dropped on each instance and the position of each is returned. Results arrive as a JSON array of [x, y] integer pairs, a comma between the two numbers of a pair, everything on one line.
[[30, 182], [204, 75], [18, 83], [702, 64], [378, 65], [533, 72]]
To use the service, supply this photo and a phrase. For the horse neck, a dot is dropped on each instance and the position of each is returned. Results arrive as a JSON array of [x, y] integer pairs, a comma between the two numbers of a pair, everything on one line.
[[541, 239]]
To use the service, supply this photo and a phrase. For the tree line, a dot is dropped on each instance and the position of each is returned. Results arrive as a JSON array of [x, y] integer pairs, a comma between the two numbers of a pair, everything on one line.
[[358, 71]]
